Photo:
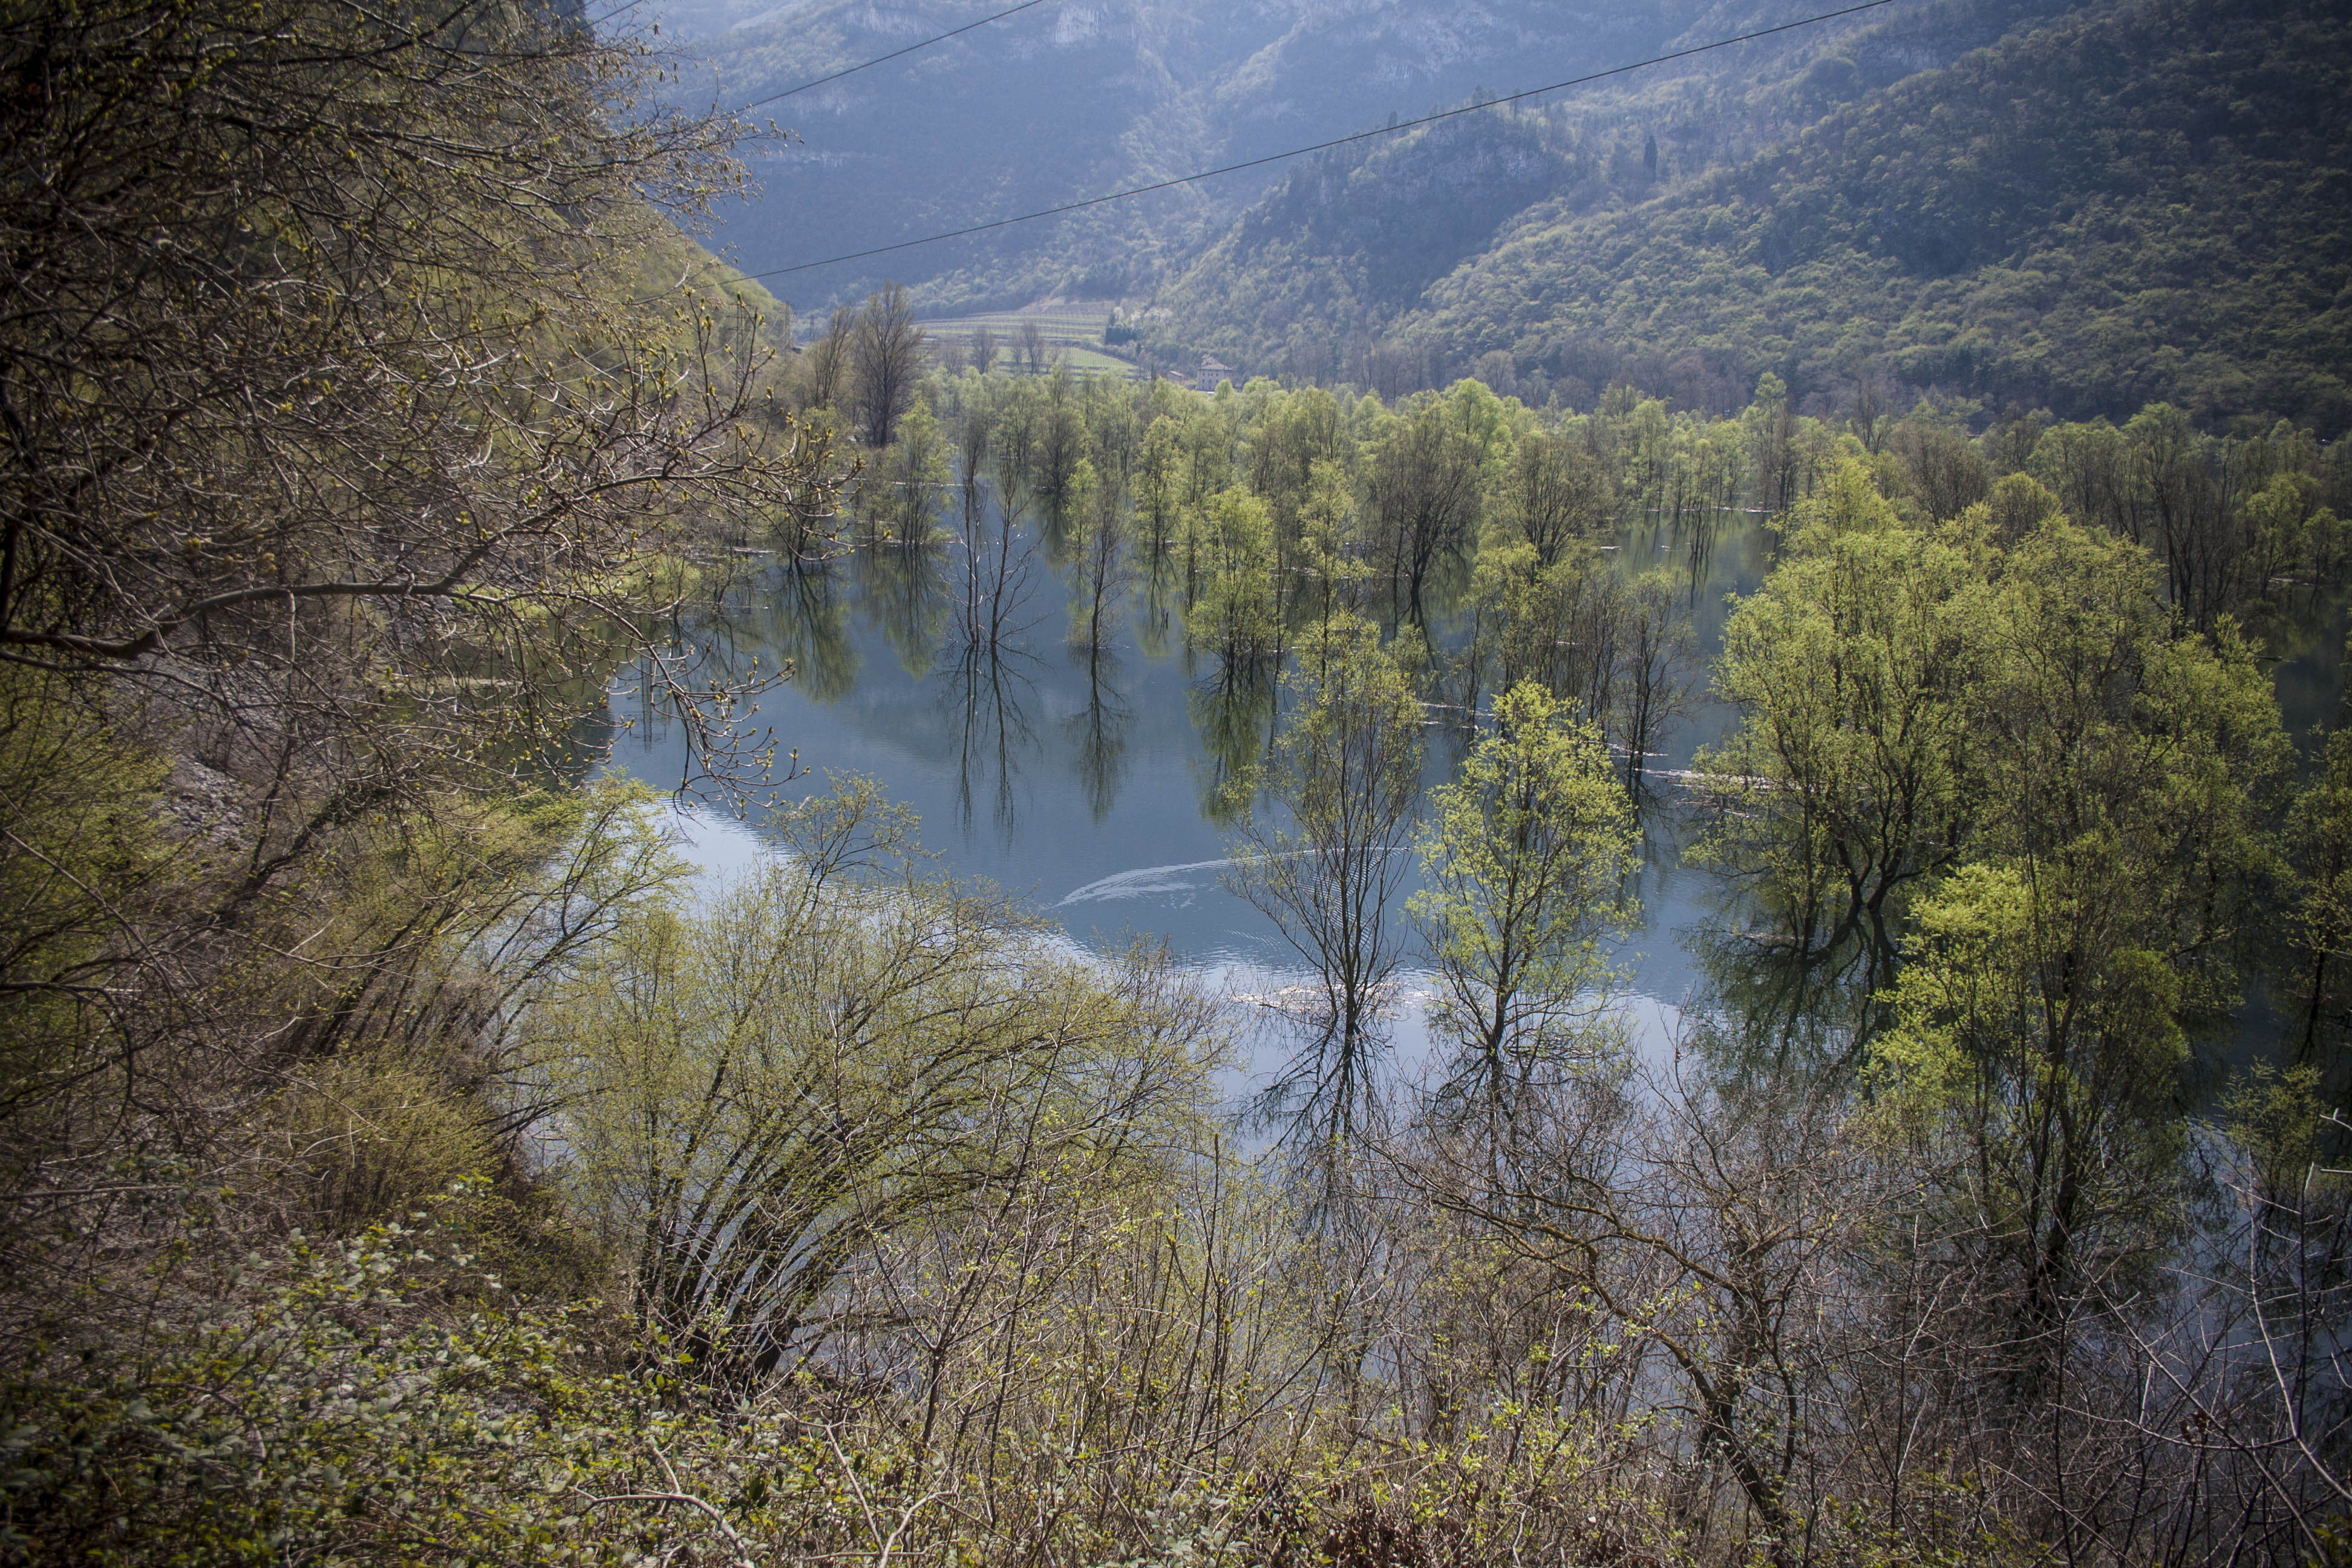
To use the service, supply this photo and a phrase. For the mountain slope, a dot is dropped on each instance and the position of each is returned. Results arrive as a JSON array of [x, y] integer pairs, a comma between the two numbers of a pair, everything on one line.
[[1077, 98], [1283, 286], [1352, 240], [2152, 204], [2080, 207]]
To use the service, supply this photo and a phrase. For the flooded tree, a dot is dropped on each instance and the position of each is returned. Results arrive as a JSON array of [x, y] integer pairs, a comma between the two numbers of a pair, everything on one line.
[[1324, 858], [1525, 856], [1557, 494], [1098, 521], [1425, 494], [1236, 616], [886, 361], [1659, 677]]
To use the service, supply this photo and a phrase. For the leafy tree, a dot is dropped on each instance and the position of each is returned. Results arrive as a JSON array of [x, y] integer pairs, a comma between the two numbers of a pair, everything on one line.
[[1658, 683], [1332, 549], [2111, 732], [2318, 863], [833, 1051], [897, 493], [1159, 497], [1853, 772], [832, 359], [1557, 495], [1525, 856], [1099, 518], [2036, 1053], [1425, 492], [2049, 981], [1235, 615]]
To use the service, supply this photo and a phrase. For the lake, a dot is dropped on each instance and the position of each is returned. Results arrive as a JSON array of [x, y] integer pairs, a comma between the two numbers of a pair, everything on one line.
[[1088, 787]]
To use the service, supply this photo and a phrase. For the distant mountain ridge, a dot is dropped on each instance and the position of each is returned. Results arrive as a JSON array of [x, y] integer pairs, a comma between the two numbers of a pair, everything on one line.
[[1072, 100], [2020, 202], [2115, 209], [2094, 211]]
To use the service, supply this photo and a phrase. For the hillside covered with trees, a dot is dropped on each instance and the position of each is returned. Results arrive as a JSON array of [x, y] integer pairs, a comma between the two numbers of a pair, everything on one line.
[[2089, 215], [1065, 103], [2099, 210], [2082, 209]]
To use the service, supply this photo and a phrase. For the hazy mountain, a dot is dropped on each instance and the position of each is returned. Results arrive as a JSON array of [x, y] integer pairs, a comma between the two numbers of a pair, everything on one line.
[[1345, 245], [1073, 99], [2084, 207], [2153, 204]]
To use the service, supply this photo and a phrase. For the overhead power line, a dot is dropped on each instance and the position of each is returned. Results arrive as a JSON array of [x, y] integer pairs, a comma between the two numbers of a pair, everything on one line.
[[845, 71], [595, 23], [1300, 151], [894, 54]]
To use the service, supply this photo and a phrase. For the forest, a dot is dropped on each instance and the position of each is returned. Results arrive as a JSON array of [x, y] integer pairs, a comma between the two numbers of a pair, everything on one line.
[[2089, 213], [411, 1156], [2082, 206]]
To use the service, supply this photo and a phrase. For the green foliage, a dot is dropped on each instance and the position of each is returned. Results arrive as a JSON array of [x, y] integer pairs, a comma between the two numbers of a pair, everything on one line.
[[2317, 860], [1852, 770], [2118, 207], [383, 1399], [836, 1051], [1234, 614], [896, 495], [1331, 543], [2074, 784], [1914, 696], [84, 861], [2237, 522], [1525, 856], [2037, 1053], [926, 1244], [2103, 209], [2281, 1121], [1557, 495], [1355, 238], [372, 1134]]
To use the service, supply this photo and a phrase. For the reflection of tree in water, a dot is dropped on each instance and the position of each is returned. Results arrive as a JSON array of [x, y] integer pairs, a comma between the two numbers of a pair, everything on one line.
[[997, 565], [1156, 611], [985, 691], [1769, 1012], [1693, 539], [1698, 548], [806, 621], [1765, 1008], [904, 592], [1234, 718], [1099, 732]]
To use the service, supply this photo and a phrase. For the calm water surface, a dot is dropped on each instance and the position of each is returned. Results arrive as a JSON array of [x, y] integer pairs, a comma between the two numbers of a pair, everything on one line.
[[1086, 787]]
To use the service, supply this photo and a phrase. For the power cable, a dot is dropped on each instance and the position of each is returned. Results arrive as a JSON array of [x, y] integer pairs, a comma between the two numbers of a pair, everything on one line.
[[894, 54], [1301, 152], [614, 14], [845, 71]]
